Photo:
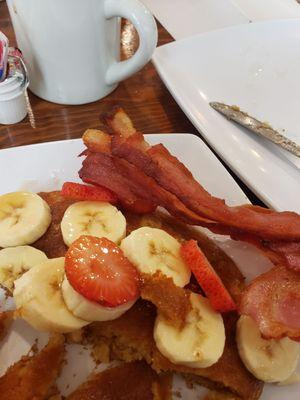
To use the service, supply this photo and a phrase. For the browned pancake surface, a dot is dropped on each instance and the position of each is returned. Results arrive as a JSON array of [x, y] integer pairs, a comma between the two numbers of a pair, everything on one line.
[[130, 337], [52, 242], [31, 378], [173, 302], [132, 381], [6, 318]]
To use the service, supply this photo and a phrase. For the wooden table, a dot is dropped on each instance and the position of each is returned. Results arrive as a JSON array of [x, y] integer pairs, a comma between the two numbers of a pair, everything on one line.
[[143, 96]]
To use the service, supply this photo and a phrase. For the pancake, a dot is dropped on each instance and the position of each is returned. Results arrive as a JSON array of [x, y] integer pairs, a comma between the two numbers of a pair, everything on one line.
[[33, 377], [6, 318], [134, 381], [51, 243], [130, 337]]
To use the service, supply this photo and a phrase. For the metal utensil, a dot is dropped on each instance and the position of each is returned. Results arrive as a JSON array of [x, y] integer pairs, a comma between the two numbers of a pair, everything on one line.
[[235, 114]]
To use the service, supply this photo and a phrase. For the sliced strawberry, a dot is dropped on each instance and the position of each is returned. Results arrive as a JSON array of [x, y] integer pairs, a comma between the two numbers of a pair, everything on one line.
[[99, 271], [207, 277], [77, 191]]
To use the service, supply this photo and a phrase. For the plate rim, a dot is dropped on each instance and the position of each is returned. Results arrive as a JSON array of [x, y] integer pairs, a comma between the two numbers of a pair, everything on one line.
[[250, 25], [50, 142]]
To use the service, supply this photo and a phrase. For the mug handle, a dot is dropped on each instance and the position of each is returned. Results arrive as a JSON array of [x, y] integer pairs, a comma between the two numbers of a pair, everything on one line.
[[146, 27]]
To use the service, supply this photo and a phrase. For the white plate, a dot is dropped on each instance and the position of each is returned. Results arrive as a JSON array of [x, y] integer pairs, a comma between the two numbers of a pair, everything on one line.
[[46, 166], [189, 17], [255, 66]]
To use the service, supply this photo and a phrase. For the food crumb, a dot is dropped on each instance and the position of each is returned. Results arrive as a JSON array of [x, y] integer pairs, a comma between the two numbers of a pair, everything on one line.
[[161, 388], [7, 293], [34, 348], [189, 383], [75, 337], [101, 353], [218, 396], [177, 394], [65, 362]]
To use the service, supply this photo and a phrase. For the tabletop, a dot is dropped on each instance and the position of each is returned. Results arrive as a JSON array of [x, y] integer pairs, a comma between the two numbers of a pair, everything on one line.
[[144, 97]]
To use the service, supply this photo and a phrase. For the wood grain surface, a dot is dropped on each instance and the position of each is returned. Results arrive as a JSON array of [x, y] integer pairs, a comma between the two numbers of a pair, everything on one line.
[[144, 97]]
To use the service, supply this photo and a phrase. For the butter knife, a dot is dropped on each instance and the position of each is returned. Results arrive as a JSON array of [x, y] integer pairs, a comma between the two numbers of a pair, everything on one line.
[[263, 129]]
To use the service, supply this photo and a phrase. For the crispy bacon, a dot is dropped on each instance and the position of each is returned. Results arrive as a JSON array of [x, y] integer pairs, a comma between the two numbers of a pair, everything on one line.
[[289, 253], [172, 175], [119, 121], [131, 184], [97, 141], [159, 195], [279, 252], [273, 301], [100, 163], [248, 221], [138, 172], [99, 169]]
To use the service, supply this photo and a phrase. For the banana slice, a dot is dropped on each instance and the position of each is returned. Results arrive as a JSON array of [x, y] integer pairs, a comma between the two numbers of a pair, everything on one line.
[[39, 299], [268, 360], [200, 343], [15, 261], [24, 218], [93, 218], [151, 250], [90, 311]]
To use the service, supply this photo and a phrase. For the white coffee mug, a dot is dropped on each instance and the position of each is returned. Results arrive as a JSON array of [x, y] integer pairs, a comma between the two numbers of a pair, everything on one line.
[[72, 47]]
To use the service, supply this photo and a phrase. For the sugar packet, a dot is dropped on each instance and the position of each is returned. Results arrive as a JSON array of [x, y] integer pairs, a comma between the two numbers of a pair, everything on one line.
[[3, 56]]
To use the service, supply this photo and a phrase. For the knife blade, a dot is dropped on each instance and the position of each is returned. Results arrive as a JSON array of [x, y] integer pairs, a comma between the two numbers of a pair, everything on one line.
[[254, 125]]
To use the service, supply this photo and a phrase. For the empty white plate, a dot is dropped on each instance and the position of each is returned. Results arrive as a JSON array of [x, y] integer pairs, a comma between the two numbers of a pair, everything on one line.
[[255, 66]]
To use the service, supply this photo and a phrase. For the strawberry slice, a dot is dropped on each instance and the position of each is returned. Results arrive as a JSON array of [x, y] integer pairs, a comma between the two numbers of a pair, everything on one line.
[[77, 191], [99, 271], [207, 277]]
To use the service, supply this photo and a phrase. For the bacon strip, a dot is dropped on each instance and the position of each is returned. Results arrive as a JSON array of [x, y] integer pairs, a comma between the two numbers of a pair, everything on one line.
[[173, 176], [132, 147], [273, 301], [278, 252], [97, 141], [99, 169], [131, 184], [289, 253], [129, 166]]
